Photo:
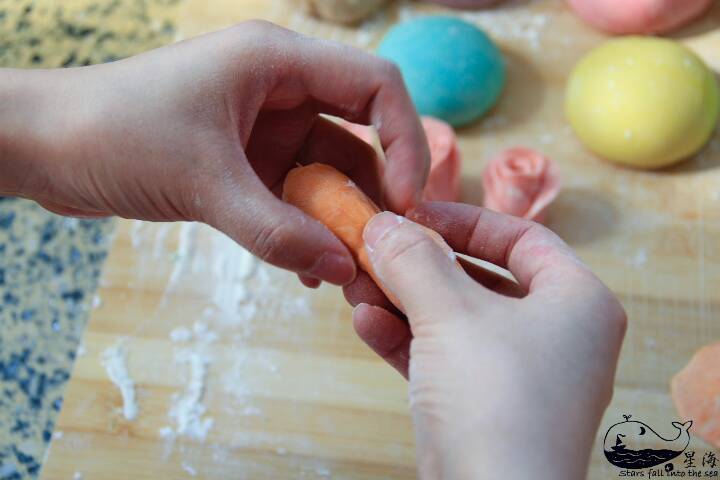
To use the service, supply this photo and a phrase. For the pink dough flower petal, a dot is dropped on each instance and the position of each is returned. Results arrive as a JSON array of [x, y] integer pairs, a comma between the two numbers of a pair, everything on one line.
[[443, 182], [521, 182], [363, 132]]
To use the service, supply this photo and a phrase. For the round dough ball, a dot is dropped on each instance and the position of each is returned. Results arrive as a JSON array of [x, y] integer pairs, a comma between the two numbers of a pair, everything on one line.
[[639, 16], [343, 11], [646, 102], [452, 69], [467, 4]]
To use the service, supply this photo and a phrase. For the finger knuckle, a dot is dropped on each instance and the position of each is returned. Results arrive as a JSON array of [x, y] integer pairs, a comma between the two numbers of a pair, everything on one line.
[[256, 35], [617, 320], [391, 72], [403, 249], [270, 241], [539, 233], [257, 26], [537, 240]]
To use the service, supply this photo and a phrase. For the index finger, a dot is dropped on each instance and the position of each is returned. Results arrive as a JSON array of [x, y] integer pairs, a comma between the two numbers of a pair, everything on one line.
[[361, 88], [534, 255]]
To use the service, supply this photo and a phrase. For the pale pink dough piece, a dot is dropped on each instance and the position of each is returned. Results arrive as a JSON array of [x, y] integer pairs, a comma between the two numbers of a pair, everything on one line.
[[363, 132], [639, 16], [443, 183], [520, 182], [445, 164]]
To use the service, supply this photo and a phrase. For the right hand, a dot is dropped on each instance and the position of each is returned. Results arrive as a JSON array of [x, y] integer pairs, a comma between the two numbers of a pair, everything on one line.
[[505, 377]]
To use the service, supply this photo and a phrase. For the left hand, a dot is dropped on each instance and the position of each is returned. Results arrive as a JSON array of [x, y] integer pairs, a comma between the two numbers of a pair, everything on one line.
[[206, 130]]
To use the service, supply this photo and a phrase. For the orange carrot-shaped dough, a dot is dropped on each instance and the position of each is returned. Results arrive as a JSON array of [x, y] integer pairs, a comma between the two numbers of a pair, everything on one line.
[[696, 390], [334, 200]]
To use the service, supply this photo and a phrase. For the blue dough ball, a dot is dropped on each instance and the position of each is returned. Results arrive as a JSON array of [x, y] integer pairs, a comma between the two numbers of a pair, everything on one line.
[[451, 68]]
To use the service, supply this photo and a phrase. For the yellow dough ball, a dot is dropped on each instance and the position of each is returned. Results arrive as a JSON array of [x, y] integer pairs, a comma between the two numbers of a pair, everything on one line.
[[642, 101]]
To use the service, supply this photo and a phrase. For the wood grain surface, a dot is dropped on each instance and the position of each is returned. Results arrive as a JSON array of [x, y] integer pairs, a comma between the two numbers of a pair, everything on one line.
[[291, 391]]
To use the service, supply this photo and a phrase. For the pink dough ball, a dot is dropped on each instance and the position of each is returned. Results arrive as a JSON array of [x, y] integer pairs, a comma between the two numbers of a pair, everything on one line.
[[639, 16]]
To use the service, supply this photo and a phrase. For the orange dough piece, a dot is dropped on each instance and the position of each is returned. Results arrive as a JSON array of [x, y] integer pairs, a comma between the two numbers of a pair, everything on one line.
[[334, 200], [696, 393]]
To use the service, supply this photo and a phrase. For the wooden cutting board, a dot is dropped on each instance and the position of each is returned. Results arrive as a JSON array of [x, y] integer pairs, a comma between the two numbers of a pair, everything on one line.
[[290, 391]]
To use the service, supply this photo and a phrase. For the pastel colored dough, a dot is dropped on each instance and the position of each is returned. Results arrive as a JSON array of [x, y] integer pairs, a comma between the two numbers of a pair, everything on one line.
[[645, 102], [343, 11], [639, 16], [363, 132], [452, 70], [695, 391], [520, 182], [467, 4], [443, 183], [334, 200]]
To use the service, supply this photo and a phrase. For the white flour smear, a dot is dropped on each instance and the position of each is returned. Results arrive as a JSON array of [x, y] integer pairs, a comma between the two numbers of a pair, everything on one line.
[[114, 361], [233, 289], [187, 410]]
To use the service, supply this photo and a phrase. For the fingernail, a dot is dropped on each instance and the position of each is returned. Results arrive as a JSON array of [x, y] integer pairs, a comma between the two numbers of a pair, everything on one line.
[[358, 306], [378, 227], [333, 268]]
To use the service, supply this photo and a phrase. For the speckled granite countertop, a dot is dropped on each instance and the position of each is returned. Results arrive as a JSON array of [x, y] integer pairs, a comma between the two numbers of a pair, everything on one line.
[[50, 265]]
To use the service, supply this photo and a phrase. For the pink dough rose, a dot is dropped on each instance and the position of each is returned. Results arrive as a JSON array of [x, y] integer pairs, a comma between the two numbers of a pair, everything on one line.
[[521, 182]]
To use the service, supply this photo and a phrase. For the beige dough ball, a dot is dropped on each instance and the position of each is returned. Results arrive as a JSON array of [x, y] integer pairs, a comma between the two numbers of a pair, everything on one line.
[[343, 11]]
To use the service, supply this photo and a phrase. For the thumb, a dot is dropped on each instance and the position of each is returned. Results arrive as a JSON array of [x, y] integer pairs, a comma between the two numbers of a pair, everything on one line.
[[414, 264]]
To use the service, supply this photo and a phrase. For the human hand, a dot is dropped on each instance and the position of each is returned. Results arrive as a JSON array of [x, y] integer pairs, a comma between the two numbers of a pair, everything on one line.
[[497, 369], [206, 129]]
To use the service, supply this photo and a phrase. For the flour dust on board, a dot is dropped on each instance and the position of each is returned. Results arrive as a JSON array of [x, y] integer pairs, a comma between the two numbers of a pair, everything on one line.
[[236, 289]]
